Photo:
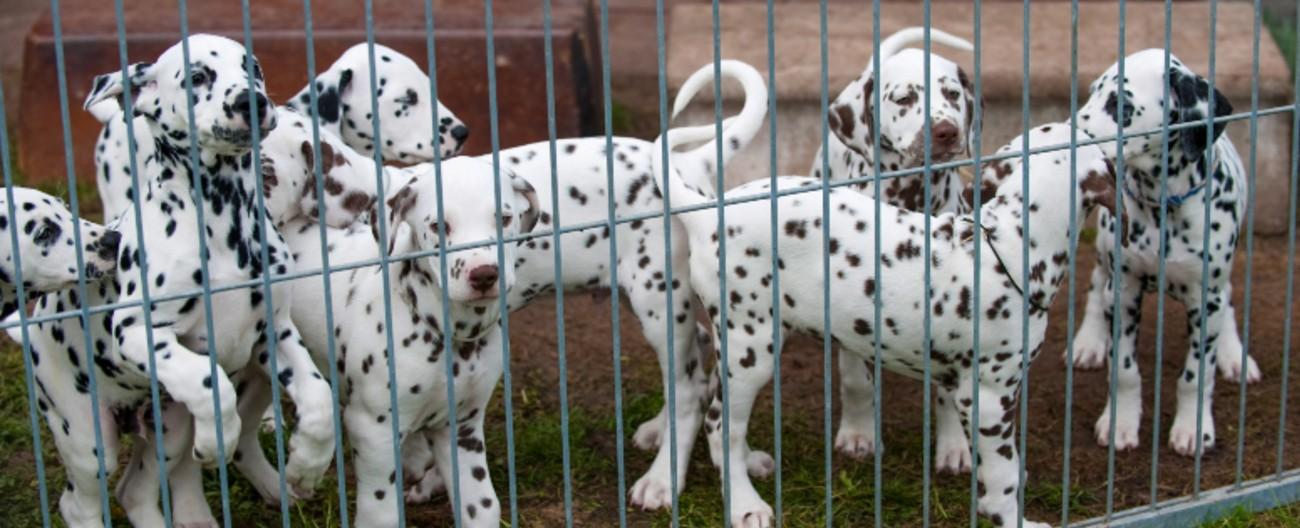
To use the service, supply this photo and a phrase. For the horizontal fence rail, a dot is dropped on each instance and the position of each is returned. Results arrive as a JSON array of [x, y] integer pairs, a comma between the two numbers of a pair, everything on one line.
[[169, 472]]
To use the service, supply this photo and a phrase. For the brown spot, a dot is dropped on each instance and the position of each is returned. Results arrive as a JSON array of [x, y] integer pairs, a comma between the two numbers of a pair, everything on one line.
[[357, 201]]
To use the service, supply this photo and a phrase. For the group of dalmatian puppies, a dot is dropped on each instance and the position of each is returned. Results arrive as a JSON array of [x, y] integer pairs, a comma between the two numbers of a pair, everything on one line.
[[203, 217]]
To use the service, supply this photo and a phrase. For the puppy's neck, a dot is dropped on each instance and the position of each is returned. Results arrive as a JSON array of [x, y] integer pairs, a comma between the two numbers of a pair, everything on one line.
[[1144, 173], [1049, 219]]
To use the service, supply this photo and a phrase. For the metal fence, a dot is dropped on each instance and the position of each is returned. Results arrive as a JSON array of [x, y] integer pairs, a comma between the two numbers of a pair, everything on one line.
[[1280, 488]]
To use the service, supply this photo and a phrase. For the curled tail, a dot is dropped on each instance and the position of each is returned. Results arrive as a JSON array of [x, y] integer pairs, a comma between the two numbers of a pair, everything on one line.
[[739, 129]]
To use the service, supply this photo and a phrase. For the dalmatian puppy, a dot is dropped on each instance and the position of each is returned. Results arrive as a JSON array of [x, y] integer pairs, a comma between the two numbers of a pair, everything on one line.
[[1192, 180], [475, 283], [405, 108], [902, 146], [171, 195], [39, 237], [749, 326]]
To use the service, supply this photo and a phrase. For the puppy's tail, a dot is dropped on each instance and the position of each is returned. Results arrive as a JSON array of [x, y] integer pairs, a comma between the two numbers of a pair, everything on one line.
[[916, 35], [680, 192], [105, 110], [738, 130]]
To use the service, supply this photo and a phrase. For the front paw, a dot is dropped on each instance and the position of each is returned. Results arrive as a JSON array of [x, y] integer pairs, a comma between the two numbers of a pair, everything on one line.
[[207, 451], [1182, 436], [652, 492], [1126, 430], [952, 456], [1089, 350], [856, 443]]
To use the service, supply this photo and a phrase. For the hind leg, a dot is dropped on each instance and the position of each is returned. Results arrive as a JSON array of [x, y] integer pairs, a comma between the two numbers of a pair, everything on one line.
[[750, 367], [1230, 362], [71, 422]]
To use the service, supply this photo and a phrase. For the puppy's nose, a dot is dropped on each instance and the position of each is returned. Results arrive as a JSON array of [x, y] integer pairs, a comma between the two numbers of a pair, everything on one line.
[[945, 134], [108, 245], [460, 132], [243, 106], [483, 278]]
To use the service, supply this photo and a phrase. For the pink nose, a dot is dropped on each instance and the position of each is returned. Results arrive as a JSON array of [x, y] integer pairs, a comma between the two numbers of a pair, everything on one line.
[[945, 135], [483, 278]]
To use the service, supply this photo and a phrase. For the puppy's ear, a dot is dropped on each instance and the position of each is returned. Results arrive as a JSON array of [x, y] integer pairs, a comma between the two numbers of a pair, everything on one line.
[[851, 118], [1191, 97], [1098, 186], [525, 192], [399, 233], [972, 107], [110, 85], [331, 86]]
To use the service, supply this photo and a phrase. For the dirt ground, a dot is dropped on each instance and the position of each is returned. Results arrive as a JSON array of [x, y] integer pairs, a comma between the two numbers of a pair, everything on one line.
[[590, 374]]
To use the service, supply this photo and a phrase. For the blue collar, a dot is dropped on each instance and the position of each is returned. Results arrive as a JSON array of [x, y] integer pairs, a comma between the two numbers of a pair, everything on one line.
[[1171, 202]]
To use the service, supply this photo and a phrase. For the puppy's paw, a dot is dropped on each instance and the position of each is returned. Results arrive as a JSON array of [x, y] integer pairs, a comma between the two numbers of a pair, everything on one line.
[[855, 443]]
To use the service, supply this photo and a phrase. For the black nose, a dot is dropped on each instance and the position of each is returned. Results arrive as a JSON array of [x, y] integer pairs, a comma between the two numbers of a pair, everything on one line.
[[108, 245], [244, 108], [460, 132], [483, 278]]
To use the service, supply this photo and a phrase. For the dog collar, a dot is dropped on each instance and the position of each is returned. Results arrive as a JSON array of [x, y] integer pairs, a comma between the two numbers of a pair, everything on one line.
[[1171, 202], [1006, 272]]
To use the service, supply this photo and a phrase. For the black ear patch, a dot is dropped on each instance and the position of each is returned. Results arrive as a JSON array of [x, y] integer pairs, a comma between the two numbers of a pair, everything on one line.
[[1192, 101], [328, 102]]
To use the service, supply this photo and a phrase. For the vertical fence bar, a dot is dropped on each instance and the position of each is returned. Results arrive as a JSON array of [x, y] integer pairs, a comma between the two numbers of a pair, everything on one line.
[[33, 421], [1290, 259], [503, 296], [724, 368], [827, 413], [613, 259], [1073, 249], [561, 352], [1250, 248], [1205, 263], [877, 301], [196, 168], [327, 287], [1117, 279], [391, 359], [926, 296], [1161, 286], [977, 145], [75, 207], [272, 341], [976, 150], [670, 373], [775, 215], [1024, 276]]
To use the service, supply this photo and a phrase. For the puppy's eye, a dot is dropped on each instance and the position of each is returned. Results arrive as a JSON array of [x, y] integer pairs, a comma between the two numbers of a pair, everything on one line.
[[506, 218], [906, 100], [198, 78], [433, 226], [410, 98], [951, 94], [46, 235]]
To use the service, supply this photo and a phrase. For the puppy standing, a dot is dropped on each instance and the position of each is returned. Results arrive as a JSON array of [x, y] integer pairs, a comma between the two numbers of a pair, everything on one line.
[[1191, 182], [852, 119], [171, 196], [417, 326], [746, 242]]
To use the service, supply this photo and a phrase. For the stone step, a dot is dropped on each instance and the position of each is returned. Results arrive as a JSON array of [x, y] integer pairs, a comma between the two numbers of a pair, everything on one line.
[[90, 43], [744, 37]]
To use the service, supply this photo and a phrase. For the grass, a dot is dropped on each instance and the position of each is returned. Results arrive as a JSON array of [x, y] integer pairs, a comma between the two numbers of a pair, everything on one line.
[[540, 476]]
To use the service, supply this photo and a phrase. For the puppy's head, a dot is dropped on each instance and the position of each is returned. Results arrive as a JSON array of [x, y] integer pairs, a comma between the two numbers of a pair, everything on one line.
[[852, 116], [224, 104], [406, 110], [47, 243], [289, 176], [1144, 88], [469, 215]]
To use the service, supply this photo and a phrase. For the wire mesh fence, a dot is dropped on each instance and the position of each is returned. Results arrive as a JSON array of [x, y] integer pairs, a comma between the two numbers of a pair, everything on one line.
[[379, 298]]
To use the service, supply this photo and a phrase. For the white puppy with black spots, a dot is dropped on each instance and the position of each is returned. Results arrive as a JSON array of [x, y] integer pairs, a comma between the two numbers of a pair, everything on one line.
[[175, 339], [46, 248], [852, 148], [416, 288], [1003, 291], [405, 113], [1192, 180]]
